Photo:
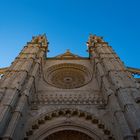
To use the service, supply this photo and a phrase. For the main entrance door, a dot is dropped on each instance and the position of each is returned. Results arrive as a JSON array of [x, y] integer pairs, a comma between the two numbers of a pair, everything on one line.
[[68, 135]]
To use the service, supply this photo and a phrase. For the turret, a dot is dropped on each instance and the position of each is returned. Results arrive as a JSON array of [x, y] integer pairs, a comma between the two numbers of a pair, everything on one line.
[[118, 86], [16, 84]]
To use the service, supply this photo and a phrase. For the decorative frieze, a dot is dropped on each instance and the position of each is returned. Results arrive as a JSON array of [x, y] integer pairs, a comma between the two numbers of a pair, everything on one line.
[[68, 98]]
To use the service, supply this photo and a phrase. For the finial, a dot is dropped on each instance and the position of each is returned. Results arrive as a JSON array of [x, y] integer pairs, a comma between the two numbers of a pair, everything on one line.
[[94, 39]]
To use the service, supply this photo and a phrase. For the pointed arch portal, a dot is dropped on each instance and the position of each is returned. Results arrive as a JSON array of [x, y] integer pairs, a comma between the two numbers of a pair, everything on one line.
[[65, 124]]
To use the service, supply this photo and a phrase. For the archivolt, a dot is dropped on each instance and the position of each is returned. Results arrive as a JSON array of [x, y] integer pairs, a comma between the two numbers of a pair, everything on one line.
[[38, 124]]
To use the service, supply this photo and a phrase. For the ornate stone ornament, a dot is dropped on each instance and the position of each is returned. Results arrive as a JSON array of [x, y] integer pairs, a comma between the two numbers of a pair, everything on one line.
[[68, 75], [47, 125]]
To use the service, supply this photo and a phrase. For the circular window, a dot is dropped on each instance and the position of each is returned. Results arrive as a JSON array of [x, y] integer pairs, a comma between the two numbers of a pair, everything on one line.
[[67, 75]]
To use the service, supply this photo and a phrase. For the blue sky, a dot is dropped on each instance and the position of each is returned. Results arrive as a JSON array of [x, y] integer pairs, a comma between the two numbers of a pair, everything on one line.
[[68, 23]]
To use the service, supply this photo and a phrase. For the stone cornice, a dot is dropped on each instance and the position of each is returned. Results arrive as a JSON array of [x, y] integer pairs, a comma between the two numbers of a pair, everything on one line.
[[3, 70], [133, 70]]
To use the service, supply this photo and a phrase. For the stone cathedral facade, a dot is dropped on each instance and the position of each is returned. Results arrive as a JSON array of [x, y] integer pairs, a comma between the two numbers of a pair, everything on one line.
[[69, 97]]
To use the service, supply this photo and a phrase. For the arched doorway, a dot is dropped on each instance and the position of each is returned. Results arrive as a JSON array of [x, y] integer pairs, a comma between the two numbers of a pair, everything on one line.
[[72, 123], [68, 135]]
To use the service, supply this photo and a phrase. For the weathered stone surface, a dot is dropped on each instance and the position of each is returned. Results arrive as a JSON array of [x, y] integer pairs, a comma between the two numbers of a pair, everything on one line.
[[90, 98]]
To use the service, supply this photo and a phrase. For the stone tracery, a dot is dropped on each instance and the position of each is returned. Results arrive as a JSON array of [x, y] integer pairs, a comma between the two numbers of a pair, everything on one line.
[[68, 75]]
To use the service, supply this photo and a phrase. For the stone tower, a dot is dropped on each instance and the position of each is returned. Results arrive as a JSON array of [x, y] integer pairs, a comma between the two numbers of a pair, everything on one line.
[[69, 97]]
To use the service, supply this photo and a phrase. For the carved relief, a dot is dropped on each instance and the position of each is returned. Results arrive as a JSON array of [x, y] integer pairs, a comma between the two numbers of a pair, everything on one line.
[[70, 99], [69, 118], [68, 75]]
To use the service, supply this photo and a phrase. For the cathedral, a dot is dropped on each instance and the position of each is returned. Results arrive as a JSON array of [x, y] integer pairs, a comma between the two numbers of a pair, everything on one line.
[[69, 97]]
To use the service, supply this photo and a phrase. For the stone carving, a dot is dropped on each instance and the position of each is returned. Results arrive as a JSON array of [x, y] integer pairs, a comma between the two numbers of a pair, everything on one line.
[[90, 99], [68, 75], [105, 109], [69, 113]]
